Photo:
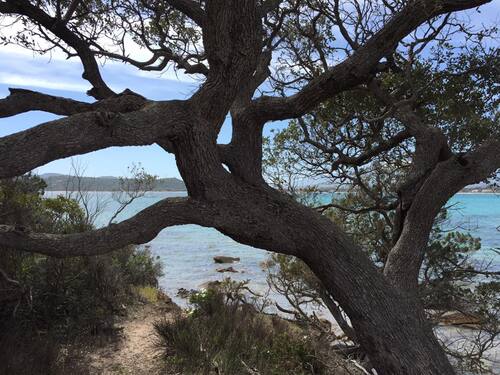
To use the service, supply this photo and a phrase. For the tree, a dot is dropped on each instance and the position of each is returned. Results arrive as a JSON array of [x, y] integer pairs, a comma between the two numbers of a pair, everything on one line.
[[305, 52], [322, 148]]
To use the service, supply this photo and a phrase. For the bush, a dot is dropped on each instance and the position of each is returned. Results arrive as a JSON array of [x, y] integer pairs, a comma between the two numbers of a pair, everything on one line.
[[79, 293], [52, 301], [142, 268], [223, 334], [76, 294]]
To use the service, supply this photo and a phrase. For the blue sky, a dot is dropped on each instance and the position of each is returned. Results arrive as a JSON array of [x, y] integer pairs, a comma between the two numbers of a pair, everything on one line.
[[55, 75]]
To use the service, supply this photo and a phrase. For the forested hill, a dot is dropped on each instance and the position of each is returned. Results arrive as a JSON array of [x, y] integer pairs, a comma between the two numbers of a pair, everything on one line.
[[60, 182]]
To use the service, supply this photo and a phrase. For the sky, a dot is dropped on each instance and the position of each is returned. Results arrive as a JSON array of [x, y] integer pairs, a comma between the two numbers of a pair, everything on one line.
[[55, 75]]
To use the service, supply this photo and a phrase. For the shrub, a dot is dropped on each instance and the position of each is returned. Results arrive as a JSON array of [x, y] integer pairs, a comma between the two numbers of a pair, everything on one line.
[[223, 334], [51, 301], [147, 294], [76, 294], [142, 268]]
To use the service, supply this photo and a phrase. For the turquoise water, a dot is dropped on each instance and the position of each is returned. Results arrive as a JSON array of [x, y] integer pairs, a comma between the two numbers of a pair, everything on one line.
[[478, 214], [187, 251]]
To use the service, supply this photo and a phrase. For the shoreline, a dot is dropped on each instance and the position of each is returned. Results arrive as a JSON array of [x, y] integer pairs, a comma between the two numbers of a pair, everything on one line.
[[185, 191], [477, 193]]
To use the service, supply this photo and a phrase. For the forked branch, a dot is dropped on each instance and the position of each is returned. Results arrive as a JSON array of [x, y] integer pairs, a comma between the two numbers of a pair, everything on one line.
[[447, 178]]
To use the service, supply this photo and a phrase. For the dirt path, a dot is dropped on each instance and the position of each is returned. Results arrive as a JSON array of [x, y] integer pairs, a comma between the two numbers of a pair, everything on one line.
[[134, 351]]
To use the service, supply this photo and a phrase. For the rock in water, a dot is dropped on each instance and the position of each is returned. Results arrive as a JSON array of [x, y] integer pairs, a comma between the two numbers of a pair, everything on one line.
[[228, 269], [457, 318], [224, 259]]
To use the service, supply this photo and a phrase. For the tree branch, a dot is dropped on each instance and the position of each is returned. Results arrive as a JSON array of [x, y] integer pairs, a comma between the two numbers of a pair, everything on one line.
[[139, 229], [243, 155], [8, 280], [445, 180], [342, 159], [20, 101], [165, 56], [190, 9], [71, 9], [378, 208], [90, 131], [361, 65], [6, 8]]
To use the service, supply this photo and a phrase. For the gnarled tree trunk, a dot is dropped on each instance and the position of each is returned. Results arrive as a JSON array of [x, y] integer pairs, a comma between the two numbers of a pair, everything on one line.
[[390, 325], [389, 322]]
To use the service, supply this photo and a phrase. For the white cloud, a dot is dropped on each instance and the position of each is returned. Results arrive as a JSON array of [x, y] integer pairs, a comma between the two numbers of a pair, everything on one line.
[[23, 81], [21, 69], [9, 28]]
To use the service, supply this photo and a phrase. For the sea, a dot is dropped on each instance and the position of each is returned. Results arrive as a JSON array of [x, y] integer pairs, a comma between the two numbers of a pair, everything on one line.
[[187, 251]]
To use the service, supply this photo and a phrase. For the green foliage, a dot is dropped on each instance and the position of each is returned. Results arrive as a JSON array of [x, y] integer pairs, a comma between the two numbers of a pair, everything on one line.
[[484, 306], [142, 268], [371, 229], [63, 215], [291, 278], [147, 294], [450, 280], [447, 269], [464, 102], [76, 294], [20, 199], [149, 24], [69, 295], [51, 301], [455, 92], [225, 335]]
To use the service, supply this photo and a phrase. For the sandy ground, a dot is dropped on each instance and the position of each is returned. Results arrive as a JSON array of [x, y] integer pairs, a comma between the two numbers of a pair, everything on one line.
[[134, 351]]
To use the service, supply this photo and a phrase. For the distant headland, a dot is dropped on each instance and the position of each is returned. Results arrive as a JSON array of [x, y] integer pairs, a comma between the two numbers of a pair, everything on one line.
[[61, 182]]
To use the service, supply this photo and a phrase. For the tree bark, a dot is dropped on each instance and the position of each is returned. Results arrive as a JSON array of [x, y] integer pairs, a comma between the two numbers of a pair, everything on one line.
[[390, 324], [446, 179]]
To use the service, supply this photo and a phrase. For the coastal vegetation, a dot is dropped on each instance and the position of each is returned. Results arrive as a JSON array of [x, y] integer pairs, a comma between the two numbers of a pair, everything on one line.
[[49, 307], [398, 98], [226, 331]]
